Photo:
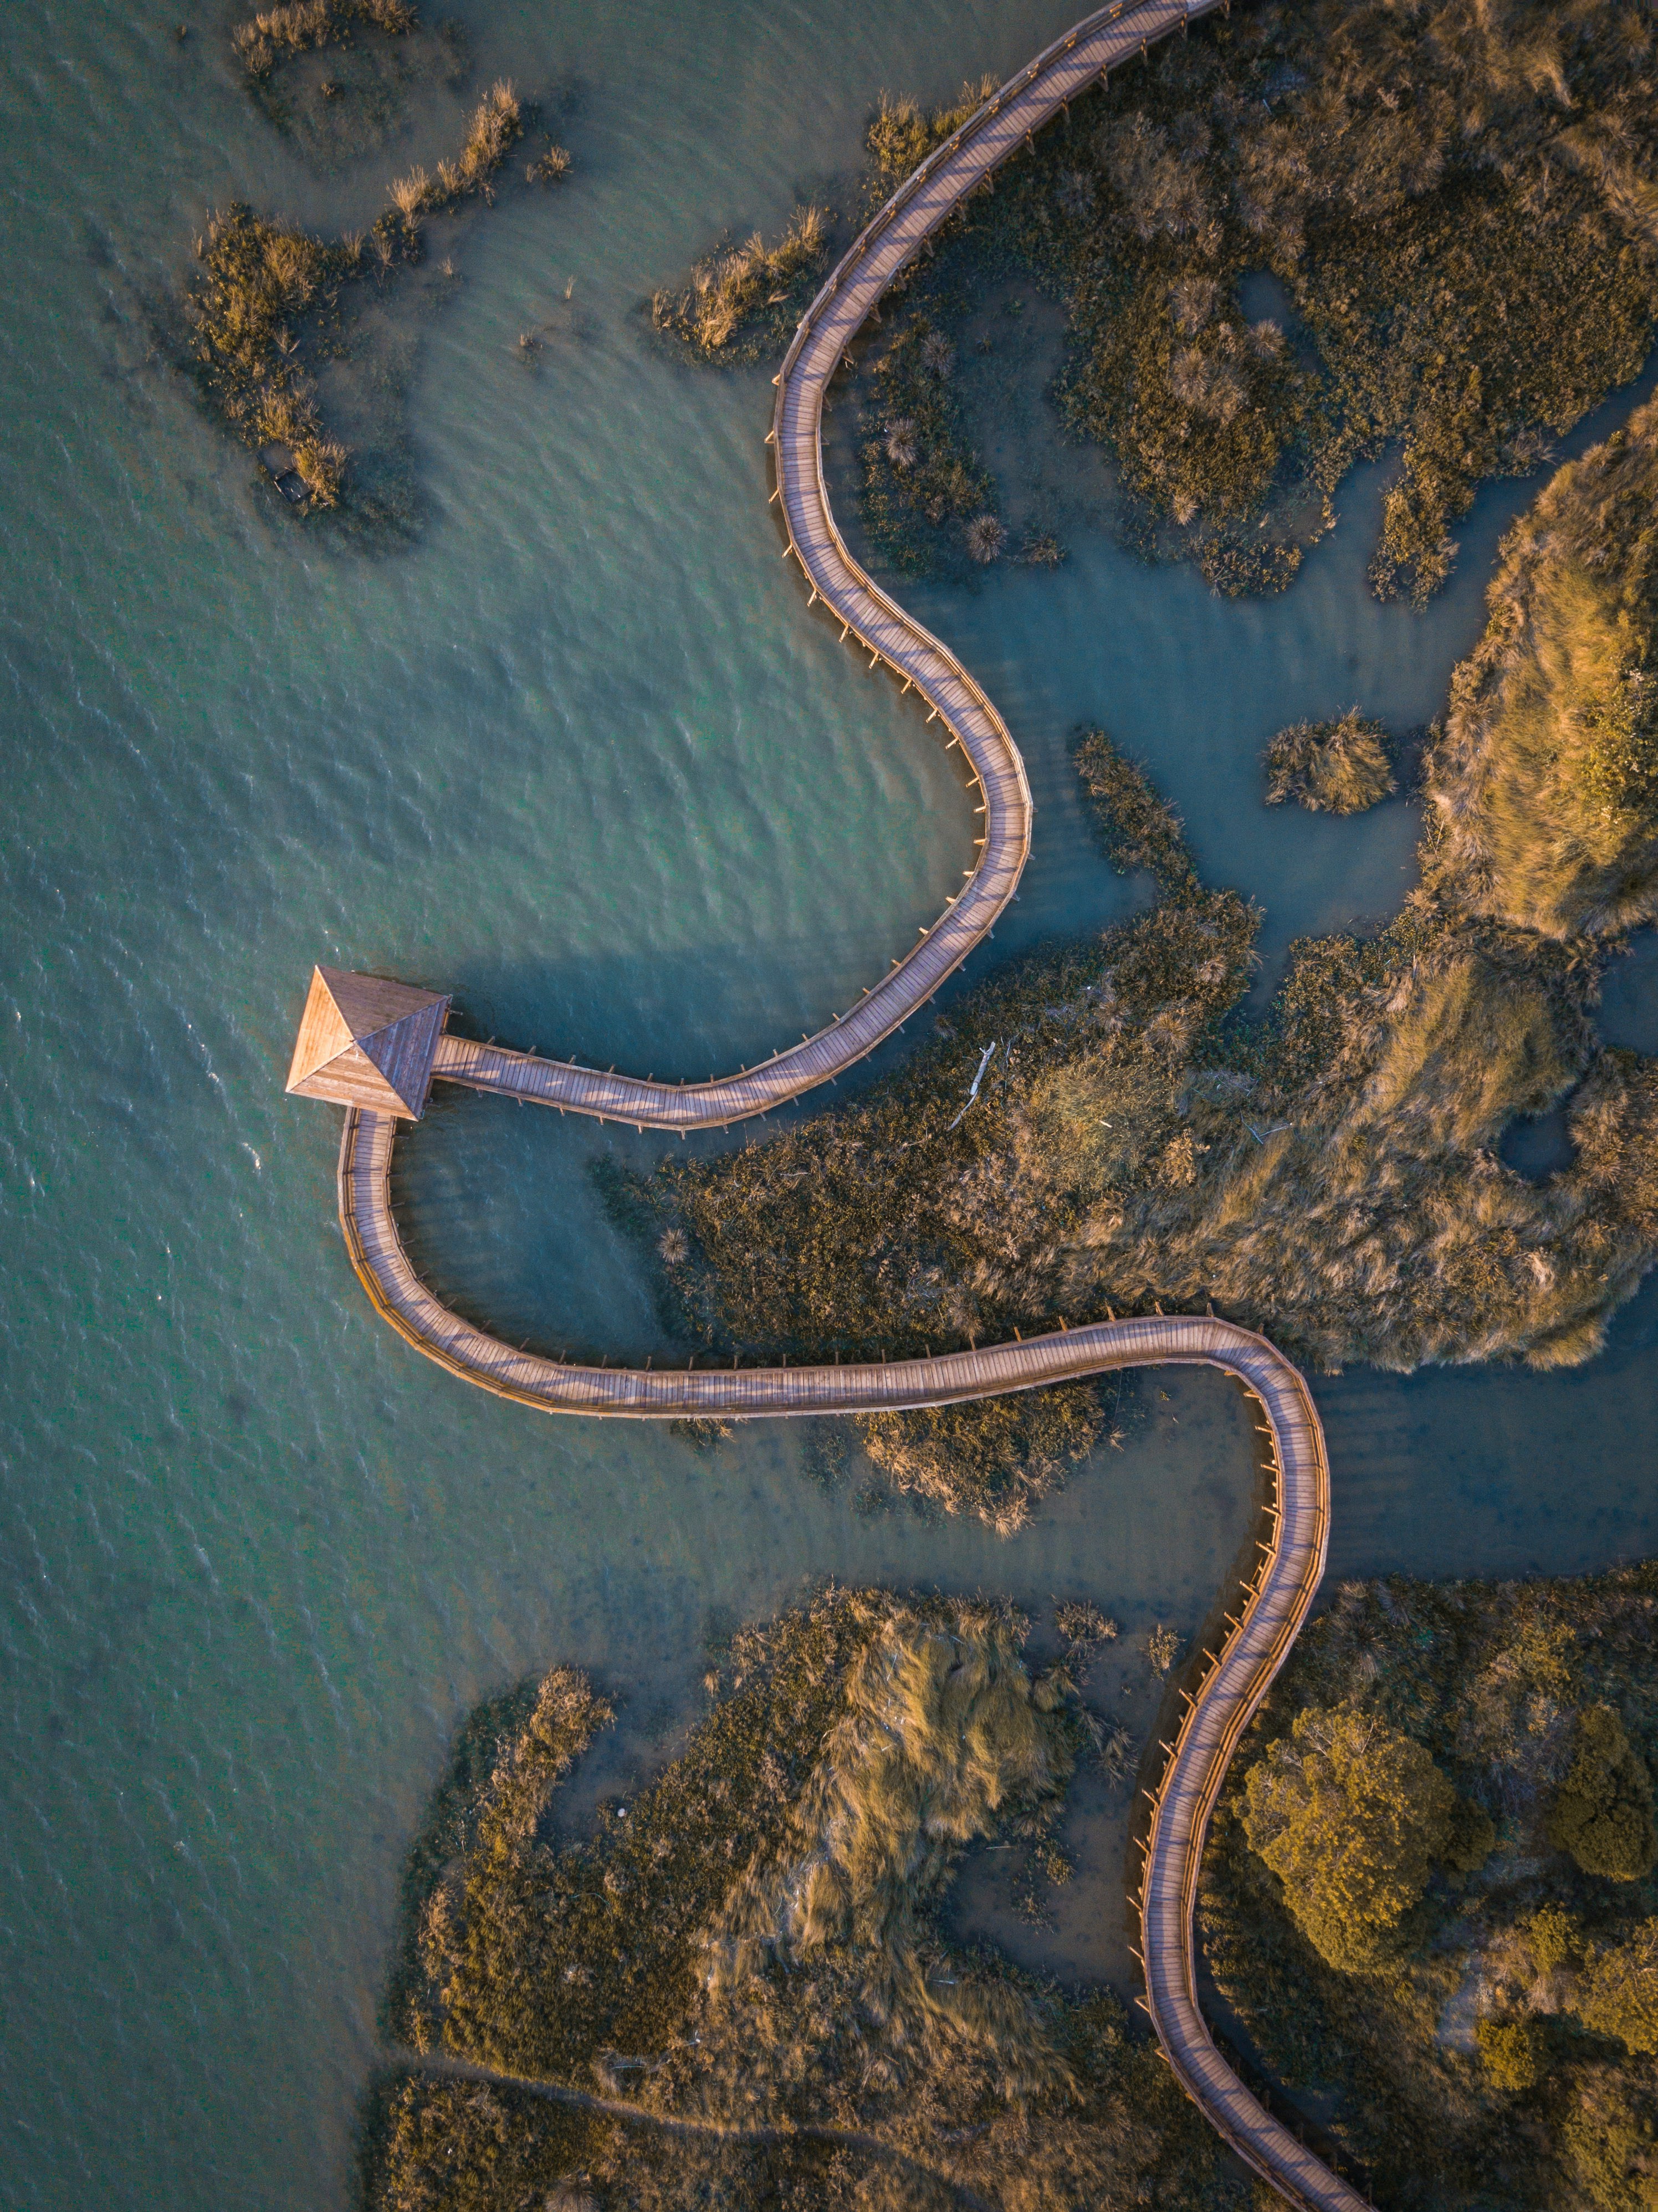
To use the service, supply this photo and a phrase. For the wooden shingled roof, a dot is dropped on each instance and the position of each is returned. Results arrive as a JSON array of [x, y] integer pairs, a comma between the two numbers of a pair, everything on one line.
[[364, 1042]]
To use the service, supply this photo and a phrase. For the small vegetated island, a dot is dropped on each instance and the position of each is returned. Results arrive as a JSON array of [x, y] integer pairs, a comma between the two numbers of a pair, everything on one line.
[[292, 338]]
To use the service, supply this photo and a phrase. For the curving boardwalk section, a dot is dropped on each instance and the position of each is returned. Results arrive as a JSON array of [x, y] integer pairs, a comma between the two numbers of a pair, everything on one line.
[[922, 205], [1290, 1571], [1292, 1564]]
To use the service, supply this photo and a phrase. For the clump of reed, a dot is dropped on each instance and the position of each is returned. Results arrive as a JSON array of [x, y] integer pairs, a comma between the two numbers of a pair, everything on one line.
[[900, 135], [742, 300], [1334, 768], [260, 284], [1545, 783], [756, 1938], [1499, 2027], [550, 167], [1162, 1648], [1137, 828], [1084, 1629], [1041, 550], [299, 25], [493, 129], [994, 1461]]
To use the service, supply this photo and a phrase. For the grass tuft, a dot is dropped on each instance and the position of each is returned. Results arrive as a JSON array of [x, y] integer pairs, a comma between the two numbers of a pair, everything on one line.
[[742, 301], [1336, 768]]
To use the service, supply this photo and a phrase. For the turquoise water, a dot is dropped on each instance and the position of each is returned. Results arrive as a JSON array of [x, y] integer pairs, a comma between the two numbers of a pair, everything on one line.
[[581, 757]]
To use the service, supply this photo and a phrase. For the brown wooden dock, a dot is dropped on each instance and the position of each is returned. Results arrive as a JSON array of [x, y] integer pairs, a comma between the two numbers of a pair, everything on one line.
[[1291, 1565]]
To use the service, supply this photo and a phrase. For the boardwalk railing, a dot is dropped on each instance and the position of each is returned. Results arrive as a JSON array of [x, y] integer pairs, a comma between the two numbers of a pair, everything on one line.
[[1292, 1566]]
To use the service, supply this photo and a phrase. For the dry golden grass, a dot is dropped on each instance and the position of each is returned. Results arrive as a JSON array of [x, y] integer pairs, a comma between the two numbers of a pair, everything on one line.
[[1546, 779], [758, 1942], [741, 298], [1336, 768], [276, 32]]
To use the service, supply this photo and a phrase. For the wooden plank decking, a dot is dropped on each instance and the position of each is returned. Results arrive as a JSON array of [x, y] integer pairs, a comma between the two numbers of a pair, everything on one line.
[[1292, 1564]]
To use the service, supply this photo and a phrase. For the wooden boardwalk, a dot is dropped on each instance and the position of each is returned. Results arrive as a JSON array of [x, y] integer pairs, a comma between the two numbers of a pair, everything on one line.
[[960, 167], [1232, 1690], [1291, 1565]]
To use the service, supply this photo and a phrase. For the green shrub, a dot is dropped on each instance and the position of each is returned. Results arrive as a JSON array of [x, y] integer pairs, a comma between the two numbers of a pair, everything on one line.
[[1350, 1815], [1480, 1675], [1619, 1993], [1470, 1837], [1556, 1937], [1603, 1812], [1466, 272], [1514, 2052], [1610, 2135]]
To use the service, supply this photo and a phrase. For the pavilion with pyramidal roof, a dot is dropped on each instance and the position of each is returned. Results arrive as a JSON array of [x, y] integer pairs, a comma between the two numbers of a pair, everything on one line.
[[364, 1042]]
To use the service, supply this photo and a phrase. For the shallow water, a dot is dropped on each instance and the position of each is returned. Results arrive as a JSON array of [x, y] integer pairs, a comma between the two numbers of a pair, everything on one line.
[[581, 757]]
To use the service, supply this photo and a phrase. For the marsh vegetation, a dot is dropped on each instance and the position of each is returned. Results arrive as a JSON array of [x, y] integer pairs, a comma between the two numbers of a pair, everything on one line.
[[1334, 768], [1453, 204], [1546, 782], [338, 77], [289, 344], [1329, 1176], [1428, 1893], [756, 1939], [741, 301], [300, 25]]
